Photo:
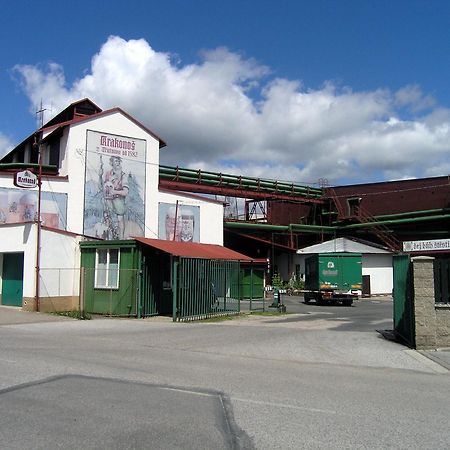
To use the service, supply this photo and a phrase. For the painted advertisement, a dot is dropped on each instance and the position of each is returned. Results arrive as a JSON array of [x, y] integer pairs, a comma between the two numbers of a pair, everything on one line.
[[179, 222], [114, 186], [21, 205]]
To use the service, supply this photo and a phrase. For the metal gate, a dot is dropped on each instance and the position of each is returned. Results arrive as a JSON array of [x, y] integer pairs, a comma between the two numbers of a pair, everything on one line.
[[441, 268], [404, 322], [206, 288]]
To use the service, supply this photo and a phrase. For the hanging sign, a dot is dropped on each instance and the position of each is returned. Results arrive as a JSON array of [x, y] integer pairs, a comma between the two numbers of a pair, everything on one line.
[[25, 179]]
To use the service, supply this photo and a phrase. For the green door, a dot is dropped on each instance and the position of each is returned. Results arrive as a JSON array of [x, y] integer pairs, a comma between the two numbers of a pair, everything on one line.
[[403, 304], [12, 284]]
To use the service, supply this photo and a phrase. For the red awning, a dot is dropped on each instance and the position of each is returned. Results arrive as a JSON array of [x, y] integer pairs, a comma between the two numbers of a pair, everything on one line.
[[194, 250]]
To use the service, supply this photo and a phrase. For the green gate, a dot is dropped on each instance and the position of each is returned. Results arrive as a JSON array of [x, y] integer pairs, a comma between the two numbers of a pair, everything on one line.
[[206, 288], [441, 268], [404, 323]]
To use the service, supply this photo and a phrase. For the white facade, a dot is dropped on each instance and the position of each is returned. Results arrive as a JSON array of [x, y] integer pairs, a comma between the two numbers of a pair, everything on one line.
[[59, 261], [380, 269], [60, 257]]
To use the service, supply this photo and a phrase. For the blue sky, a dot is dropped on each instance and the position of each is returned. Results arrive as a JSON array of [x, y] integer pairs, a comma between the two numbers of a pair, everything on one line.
[[350, 91]]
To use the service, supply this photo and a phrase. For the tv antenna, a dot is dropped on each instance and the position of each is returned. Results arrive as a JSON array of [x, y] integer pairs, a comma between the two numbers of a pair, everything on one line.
[[40, 115]]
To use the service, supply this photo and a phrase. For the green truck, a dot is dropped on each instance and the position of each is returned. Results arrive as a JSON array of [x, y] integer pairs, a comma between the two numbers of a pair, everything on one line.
[[333, 278]]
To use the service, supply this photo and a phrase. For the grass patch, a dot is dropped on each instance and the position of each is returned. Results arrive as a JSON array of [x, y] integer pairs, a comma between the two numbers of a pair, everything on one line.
[[269, 313], [73, 315], [222, 318], [244, 314]]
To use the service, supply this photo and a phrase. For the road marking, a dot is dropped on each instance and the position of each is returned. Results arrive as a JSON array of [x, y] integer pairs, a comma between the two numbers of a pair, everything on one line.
[[187, 391], [283, 405]]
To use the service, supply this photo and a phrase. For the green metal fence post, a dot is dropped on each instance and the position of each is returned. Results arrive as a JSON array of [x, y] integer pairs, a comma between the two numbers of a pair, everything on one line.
[[174, 289], [138, 293], [251, 285]]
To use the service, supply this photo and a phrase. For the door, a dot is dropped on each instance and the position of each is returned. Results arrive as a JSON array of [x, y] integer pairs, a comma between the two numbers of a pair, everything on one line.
[[12, 285], [403, 303]]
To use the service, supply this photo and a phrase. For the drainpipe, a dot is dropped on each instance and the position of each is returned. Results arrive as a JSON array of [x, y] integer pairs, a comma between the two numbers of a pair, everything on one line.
[[176, 220], [38, 234]]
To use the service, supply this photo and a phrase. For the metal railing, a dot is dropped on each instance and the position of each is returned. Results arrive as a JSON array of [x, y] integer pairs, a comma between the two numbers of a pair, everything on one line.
[[207, 288]]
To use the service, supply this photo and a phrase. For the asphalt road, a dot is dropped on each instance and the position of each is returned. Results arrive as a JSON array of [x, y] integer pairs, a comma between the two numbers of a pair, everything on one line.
[[367, 314], [297, 381]]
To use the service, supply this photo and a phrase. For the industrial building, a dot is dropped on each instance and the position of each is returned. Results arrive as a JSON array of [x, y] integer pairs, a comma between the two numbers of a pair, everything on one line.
[[101, 180]]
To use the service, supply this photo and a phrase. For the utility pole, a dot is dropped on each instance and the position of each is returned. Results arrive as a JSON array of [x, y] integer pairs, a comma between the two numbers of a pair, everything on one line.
[[38, 144]]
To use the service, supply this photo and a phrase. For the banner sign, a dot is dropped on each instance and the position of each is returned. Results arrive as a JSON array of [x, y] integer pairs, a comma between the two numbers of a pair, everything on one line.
[[17, 206], [179, 223], [430, 245]]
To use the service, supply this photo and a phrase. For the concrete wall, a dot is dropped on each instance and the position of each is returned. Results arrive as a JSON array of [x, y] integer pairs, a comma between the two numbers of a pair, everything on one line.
[[432, 321]]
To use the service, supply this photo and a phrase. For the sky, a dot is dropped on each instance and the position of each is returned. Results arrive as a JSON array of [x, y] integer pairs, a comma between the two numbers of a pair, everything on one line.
[[319, 91]]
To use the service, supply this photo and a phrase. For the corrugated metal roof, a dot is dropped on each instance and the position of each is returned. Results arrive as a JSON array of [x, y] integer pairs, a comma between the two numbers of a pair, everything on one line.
[[194, 250], [341, 245]]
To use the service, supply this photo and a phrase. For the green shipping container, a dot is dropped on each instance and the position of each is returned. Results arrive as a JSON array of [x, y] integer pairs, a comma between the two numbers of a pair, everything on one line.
[[333, 271]]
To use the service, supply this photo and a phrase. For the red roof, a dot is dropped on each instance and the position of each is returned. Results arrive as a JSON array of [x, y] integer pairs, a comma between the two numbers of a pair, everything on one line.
[[194, 250]]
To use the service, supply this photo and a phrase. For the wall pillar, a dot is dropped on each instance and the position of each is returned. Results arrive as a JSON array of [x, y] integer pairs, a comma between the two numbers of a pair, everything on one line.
[[424, 302]]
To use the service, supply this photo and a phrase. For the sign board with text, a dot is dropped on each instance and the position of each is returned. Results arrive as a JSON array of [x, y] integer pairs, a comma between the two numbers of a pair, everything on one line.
[[25, 179], [431, 245]]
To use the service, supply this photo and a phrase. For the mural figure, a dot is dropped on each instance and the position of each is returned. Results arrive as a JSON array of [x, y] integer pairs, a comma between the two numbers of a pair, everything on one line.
[[115, 191], [114, 186]]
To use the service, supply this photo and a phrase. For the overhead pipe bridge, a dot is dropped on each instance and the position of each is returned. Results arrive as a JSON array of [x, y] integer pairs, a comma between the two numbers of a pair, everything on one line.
[[205, 182]]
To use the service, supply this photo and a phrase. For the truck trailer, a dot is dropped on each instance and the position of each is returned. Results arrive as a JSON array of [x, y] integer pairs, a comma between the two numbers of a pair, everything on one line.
[[333, 278]]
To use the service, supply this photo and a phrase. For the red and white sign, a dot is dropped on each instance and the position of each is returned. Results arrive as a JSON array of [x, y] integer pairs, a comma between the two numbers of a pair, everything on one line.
[[25, 179]]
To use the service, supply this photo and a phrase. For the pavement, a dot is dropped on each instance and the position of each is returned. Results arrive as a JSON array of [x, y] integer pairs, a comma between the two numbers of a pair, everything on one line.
[[440, 356], [10, 315]]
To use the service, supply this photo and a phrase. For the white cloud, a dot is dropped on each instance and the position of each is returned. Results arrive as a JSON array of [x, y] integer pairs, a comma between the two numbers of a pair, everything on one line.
[[227, 113], [5, 145]]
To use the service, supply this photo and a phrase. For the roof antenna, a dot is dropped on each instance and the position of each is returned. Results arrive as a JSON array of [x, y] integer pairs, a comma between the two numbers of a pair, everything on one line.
[[40, 114]]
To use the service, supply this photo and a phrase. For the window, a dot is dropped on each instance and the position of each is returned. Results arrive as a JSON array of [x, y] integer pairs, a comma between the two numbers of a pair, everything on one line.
[[107, 269], [353, 206]]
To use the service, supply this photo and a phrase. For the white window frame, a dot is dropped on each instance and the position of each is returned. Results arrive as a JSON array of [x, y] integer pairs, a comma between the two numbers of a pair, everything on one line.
[[108, 270]]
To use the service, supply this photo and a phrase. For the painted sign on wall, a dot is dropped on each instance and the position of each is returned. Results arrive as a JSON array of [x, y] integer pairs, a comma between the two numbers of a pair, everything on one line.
[[114, 186], [20, 205], [179, 223]]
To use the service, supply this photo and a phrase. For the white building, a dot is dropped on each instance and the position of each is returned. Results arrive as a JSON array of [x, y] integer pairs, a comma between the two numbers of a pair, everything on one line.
[[100, 172]]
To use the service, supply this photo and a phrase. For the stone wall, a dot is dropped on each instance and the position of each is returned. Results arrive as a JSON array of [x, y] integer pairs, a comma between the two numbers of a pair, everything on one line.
[[432, 321]]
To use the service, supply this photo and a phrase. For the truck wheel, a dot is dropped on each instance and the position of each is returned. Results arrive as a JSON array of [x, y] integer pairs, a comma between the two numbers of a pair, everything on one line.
[[347, 302], [307, 299]]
